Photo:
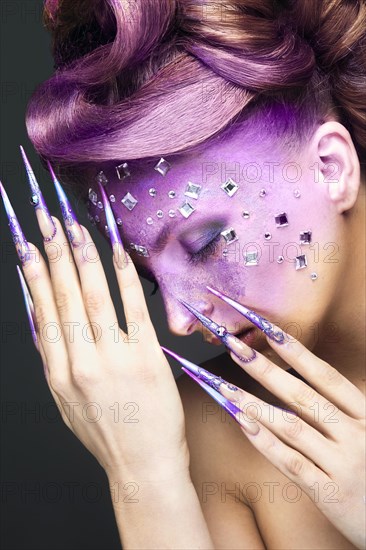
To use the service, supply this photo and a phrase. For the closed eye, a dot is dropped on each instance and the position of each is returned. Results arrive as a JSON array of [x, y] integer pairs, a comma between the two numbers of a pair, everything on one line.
[[202, 255]]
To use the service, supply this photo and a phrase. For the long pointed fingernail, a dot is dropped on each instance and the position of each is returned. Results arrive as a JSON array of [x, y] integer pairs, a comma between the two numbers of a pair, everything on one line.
[[229, 407], [257, 320], [29, 307], [244, 352], [203, 374], [119, 253], [45, 222], [21, 244], [74, 232]]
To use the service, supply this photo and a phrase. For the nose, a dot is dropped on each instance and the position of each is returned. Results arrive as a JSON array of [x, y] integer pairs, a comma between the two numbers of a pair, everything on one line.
[[181, 321]]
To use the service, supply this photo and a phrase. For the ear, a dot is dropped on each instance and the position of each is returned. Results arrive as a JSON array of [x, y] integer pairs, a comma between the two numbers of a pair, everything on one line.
[[334, 151]]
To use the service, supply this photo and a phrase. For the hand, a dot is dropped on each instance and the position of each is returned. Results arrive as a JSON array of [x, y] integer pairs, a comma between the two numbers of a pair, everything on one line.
[[322, 447], [115, 391]]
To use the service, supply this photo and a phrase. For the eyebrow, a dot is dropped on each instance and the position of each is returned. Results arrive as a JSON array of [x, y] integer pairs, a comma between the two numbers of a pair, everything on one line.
[[161, 240]]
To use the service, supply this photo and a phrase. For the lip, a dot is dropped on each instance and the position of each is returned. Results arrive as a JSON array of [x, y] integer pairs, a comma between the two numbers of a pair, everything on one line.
[[247, 336]]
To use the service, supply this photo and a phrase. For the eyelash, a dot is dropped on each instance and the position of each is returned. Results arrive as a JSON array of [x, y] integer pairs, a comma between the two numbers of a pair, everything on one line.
[[203, 254]]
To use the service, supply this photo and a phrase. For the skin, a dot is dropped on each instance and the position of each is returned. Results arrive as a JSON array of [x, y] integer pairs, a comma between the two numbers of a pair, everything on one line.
[[154, 454]]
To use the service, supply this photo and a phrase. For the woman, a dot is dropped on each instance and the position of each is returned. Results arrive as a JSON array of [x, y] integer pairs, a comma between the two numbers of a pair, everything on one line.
[[222, 145]]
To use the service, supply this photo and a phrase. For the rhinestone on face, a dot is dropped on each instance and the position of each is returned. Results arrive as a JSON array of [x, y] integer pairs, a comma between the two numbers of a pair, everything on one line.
[[281, 220], [112, 198], [162, 167], [106, 228], [246, 214], [280, 259], [225, 252], [267, 236], [229, 235], [93, 197], [97, 218], [152, 192], [314, 276], [129, 201], [230, 187], [301, 261], [123, 171], [119, 221], [186, 210], [149, 220], [297, 194], [171, 194], [159, 213], [100, 205], [142, 250], [251, 258], [305, 237], [193, 190], [262, 193], [34, 200], [102, 178], [171, 213]]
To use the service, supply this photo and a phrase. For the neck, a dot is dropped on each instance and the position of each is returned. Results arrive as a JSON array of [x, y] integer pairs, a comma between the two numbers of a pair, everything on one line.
[[342, 333]]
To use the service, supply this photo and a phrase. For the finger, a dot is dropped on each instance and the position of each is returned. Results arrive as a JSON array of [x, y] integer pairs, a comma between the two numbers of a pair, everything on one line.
[[307, 403], [290, 462], [134, 304], [284, 424], [96, 295], [74, 322], [322, 376], [47, 320]]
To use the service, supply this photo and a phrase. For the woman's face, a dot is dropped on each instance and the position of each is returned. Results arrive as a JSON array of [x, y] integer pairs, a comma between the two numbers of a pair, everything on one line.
[[186, 254]]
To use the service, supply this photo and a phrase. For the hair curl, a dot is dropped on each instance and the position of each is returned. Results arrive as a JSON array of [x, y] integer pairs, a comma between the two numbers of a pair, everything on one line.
[[139, 78]]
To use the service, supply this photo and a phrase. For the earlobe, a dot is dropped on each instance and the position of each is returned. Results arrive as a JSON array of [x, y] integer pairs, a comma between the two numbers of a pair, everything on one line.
[[339, 164]]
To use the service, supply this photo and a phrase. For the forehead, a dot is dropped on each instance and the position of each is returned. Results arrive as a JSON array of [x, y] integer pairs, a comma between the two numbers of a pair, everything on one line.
[[177, 190]]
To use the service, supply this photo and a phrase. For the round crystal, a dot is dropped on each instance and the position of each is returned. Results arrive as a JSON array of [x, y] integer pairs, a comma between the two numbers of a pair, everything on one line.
[[171, 194], [112, 198], [262, 193], [245, 214], [171, 213], [280, 259], [119, 221], [159, 213], [100, 204], [314, 276], [34, 200], [149, 220], [267, 236], [152, 192], [97, 218], [297, 193], [220, 331]]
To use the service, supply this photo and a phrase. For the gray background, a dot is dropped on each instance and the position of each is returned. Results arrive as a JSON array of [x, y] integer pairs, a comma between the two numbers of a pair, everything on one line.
[[54, 494]]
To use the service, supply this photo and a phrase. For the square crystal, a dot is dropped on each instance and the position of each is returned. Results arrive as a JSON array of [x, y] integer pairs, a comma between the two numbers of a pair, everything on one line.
[[251, 258], [129, 201], [186, 209], [281, 220], [230, 187], [102, 178], [229, 235], [162, 166], [305, 237], [301, 261], [193, 190], [123, 171], [93, 197]]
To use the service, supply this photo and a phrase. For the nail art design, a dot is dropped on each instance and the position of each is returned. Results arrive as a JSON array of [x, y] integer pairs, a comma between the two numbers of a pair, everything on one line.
[[21, 244], [220, 399], [206, 376], [73, 229], [252, 316], [119, 252], [46, 223], [221, 333], [29, 307]]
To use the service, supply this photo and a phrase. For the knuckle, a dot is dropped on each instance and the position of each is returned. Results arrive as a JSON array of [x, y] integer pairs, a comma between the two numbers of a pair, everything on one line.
[[295, 464], [94, 302], [329, 374], [137, 315], [57, 382], [82, 378], [63, 300], [265, 367], [305, 395], [293, 429], [40, 312]]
